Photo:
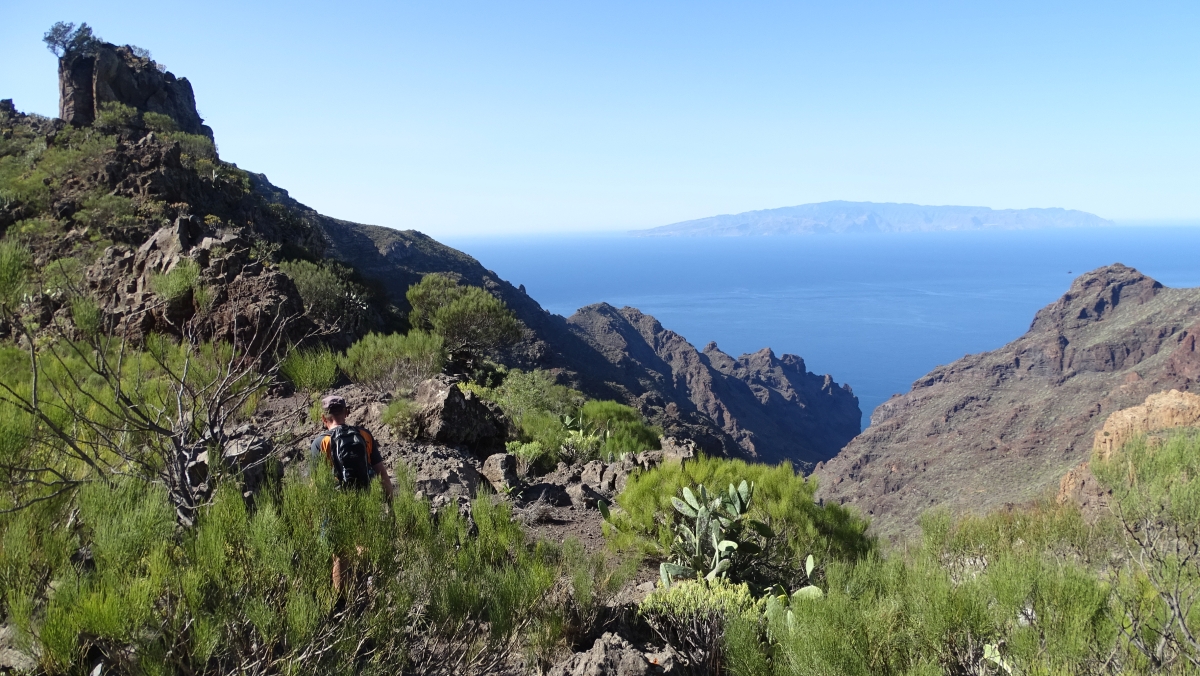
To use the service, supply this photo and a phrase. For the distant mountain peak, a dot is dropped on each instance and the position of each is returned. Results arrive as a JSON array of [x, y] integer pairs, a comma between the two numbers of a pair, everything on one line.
[[840, 216]]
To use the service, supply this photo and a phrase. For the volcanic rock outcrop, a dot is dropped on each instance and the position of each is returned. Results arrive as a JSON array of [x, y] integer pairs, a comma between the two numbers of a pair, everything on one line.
[[103, 73], [766, 407], [1005, 426]]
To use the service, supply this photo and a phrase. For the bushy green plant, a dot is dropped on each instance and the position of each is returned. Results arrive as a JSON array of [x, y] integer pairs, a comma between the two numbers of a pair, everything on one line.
[[782, 499], [524, 393], [401, 416], [252, 585], [15, 260], [328, 296], [395, 361], [76, 152], [86, 316], [716, 539], [181, 280], [159, 122], [108, 210], [1155, 483], [114, 115], [193, 147], [693, 617], [529, 454], [472, 321], [563, 423], [620, 428], [312, 369]]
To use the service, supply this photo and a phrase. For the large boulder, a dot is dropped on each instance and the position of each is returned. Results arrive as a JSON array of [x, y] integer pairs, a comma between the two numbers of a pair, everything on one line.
[[500, 469], [444, 475], [448, 415]]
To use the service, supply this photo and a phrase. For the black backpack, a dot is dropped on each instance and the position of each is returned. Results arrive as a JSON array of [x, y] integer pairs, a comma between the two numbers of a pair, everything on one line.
[[349, 452]]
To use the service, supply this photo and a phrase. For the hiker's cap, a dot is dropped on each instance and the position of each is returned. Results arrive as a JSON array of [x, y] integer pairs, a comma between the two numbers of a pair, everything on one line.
[[333, 404]]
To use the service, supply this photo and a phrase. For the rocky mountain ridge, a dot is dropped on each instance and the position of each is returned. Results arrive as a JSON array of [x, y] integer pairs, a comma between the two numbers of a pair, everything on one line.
[[871, 217], [222, 219], [1005, 426]]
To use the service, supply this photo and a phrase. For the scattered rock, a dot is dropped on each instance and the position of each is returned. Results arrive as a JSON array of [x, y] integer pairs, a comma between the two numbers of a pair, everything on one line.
[[593, 474], [678, 449], [11, 656], [441, 473], [501, 470], [448, 415], [583, 495], [612, 655], [551, 494]]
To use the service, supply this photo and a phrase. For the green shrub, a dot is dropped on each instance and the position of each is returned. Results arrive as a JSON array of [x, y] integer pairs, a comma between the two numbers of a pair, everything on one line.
[[1155, 484], [537, 405], [563, 423], [328, 297], [620, 427], [401, 416], [529, 454], [174, 285], [472, 321], [76, 152], [112, 211], [63, 275], [159, 122], [193, 147], [715, 538], [394, 361], [86, 316], [783, 500], [692, 617], [15, 260], [311, 369], [114, 115], [252, 583]]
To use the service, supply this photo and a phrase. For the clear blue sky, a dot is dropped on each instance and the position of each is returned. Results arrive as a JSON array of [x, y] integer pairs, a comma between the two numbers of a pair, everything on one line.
[[472, 118]]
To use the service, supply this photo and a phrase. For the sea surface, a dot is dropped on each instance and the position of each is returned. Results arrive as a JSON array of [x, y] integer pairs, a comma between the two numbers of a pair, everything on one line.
[[876, 311]]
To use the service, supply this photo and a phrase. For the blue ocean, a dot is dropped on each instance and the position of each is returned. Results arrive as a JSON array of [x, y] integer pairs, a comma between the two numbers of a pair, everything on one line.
[[875, 311]]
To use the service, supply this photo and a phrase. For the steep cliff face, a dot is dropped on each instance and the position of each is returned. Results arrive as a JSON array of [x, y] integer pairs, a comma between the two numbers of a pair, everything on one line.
[[1005, 426], [758, 406], [763, 407], [107, 73]]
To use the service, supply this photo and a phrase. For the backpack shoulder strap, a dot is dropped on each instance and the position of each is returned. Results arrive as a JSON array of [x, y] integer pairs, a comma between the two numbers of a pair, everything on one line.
[[327, 447], [370, 442]]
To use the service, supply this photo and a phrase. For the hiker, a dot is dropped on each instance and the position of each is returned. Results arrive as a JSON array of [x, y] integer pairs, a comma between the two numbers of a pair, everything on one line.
[[354, 457]]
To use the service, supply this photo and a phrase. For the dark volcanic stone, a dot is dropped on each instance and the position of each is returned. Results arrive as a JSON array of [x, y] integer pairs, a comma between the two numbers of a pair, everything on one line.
[[450, 416], [110, 73]]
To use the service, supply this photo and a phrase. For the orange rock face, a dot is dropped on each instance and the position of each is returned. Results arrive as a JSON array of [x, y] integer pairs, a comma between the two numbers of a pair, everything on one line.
[[1162, 411]]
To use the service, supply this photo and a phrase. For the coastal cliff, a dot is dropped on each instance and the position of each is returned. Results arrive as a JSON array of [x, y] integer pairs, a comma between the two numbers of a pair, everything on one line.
[[1005, 426]]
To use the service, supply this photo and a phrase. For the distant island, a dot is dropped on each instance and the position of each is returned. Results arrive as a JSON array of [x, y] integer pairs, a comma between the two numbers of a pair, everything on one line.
[[838, 217]]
